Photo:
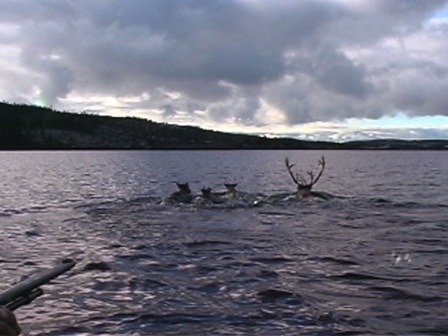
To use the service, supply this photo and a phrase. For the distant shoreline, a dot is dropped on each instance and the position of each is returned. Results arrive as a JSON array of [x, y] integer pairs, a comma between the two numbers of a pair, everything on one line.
[[32, 128]]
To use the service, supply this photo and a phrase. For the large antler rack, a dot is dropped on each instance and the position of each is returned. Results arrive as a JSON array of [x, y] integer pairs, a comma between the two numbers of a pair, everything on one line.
[[300, 180]]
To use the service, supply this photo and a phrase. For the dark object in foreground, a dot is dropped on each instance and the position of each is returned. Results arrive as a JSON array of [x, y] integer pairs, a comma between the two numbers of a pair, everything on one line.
[[26, 291]]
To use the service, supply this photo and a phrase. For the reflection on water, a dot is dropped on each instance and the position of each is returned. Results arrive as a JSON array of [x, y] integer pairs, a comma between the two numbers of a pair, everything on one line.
[[372, 261]]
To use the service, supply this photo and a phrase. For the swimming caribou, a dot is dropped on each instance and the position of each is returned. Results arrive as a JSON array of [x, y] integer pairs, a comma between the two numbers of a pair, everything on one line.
[[305, 186], [231, 195]]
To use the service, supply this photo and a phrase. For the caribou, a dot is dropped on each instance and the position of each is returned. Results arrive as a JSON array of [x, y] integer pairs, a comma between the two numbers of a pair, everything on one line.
[[183, 195], [232, 196], [304, 185], [209, 197]]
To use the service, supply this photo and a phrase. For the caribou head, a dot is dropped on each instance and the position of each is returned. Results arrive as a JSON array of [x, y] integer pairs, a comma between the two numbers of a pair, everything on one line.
[[231, 189], [206, 192], [183, 188], [303, 184]]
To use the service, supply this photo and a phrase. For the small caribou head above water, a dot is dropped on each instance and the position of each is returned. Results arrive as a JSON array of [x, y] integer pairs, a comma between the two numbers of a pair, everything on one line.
[[230, 189], [183, 188], [206, 192], [304, 185]]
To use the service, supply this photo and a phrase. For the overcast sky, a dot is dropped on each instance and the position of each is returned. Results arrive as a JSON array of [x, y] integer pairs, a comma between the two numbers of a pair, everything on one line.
[[317, 69]]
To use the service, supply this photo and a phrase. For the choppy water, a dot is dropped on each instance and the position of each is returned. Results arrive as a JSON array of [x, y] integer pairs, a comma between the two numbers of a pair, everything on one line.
[[371, 261]]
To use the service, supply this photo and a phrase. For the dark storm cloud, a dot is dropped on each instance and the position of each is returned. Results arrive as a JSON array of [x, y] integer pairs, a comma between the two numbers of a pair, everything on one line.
[[192, 47], [314, 60], [175, 43]]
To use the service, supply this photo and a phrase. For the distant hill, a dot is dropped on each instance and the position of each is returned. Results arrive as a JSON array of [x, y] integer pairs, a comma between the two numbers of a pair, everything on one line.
[[33, 127]]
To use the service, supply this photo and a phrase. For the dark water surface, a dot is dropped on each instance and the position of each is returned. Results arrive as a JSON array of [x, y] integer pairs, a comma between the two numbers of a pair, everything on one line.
[[371, 261]]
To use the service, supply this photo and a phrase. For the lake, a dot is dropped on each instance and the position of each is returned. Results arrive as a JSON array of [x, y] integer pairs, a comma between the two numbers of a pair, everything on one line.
[[372, 260]]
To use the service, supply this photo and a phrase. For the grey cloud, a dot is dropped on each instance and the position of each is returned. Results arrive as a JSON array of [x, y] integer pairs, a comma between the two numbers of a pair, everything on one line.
[[58, 82], [204, 40], [335, 72], [294, 97], [422, 94], [20, 11], [308, 58], [410, 12], [168, 110], [239, 109], [368, 21], [180, 41]]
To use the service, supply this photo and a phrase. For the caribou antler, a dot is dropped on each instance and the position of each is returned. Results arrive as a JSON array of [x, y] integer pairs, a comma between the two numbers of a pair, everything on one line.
[[300, 180], [289, 166]]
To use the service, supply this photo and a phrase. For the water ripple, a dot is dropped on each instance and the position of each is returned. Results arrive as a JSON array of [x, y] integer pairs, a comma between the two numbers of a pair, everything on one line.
[[369, 263]]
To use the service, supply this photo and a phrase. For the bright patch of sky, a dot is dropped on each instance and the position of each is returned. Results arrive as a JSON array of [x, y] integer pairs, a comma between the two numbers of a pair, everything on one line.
[[441, 14], [401, 120]]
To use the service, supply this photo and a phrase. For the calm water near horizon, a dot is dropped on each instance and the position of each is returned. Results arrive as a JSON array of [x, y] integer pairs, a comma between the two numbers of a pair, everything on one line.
[[373, 260]]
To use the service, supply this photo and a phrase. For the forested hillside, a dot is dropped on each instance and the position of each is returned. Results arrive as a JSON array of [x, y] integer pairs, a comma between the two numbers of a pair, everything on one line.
[[33, 127]]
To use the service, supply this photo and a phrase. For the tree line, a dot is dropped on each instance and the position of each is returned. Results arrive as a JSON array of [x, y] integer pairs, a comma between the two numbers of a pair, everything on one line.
[[33, 127]]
